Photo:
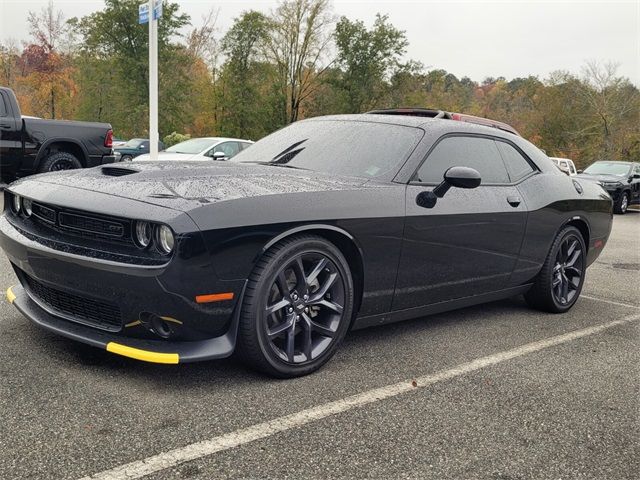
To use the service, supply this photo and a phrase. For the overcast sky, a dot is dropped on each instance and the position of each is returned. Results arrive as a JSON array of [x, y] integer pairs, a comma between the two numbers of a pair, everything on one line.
[[475, 38]]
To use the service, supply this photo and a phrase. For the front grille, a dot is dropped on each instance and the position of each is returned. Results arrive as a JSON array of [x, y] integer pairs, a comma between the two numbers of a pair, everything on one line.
[[82, 224], [91, 225], [84, 310], [44, 213]]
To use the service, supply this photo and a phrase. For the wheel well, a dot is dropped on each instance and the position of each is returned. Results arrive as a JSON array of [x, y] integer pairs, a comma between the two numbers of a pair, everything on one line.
[[352, 255], [584, 230], [69, 147]]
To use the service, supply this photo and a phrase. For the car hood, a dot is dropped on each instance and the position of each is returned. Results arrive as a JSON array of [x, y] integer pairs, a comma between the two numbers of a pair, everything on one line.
[[601, 178], [187, 185]]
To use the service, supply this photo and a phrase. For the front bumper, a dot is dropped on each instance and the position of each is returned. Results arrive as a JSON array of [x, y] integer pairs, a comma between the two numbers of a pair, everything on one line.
[[154, 351], [68, 293]]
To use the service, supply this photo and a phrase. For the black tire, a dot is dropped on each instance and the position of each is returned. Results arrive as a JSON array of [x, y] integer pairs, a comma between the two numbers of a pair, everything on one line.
[[59, 161], [546, 294], [281, 343], [126, 158], [620, 207]]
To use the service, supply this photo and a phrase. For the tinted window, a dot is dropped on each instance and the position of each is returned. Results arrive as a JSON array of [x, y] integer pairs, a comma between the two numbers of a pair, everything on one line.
[[517, 165], [479, 153], [3, 110], [341, 147]]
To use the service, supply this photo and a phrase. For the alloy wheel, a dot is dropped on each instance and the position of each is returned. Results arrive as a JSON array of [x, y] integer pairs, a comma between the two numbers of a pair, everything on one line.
[[304, 308], [624, 203], [568, 270]]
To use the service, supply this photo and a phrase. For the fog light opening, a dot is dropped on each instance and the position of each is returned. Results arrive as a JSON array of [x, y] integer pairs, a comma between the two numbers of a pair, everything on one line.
[[156, 324]]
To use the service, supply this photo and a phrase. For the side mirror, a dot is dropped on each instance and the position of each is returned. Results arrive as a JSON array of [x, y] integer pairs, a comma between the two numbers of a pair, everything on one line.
[[580, 171], [141, 147], [219, 156], [635, 175], [459, 177]]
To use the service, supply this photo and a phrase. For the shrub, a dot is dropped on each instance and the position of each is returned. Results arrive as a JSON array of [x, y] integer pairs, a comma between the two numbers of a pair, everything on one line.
[[175, 137]]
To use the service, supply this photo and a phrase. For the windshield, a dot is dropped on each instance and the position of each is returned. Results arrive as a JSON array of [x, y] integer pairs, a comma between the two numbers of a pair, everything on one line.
[[608, 168], [341, 147], [193, 146], [134, 143]]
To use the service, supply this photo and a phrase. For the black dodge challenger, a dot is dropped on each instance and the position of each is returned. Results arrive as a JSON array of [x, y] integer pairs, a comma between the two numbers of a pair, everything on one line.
[[329, 224]]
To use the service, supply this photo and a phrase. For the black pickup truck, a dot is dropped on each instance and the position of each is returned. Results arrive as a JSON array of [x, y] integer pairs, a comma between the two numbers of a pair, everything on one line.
[[34, 145]]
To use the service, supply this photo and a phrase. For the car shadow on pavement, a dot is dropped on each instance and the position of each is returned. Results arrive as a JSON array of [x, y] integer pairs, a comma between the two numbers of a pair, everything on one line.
[[383, 339]]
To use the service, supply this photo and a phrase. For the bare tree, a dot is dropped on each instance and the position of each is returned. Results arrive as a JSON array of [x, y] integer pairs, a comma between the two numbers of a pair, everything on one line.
[[47, 28], [202, 41], [608, 98], [298, 44]]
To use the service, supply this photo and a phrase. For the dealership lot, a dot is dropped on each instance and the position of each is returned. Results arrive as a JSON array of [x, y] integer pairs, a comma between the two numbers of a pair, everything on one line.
[[564, 410]]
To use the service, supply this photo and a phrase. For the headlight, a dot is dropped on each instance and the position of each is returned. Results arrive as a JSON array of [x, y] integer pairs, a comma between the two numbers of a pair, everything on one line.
[[612, 184], [165, 239], [16, 203], [143, 233], [27, 206]]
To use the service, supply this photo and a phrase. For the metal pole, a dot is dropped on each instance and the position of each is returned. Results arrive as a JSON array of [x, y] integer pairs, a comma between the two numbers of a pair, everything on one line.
[[153, 82]]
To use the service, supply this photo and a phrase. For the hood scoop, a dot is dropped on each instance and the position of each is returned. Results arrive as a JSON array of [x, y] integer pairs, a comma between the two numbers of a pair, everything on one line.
[[118, 171]]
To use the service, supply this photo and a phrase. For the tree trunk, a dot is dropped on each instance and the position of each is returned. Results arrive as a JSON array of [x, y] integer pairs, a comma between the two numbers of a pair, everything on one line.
[[53, 103]]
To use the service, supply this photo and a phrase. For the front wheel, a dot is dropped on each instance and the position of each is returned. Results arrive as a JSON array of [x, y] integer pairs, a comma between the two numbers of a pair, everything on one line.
[[559, 283], [622, 204], [297, 307]]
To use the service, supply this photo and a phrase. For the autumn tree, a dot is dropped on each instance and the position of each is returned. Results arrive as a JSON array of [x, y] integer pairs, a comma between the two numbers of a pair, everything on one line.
[[49, 71]]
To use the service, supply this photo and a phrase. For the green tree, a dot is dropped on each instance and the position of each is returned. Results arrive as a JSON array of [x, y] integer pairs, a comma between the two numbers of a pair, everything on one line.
[[114, 37], [367, 59], [244, 100]]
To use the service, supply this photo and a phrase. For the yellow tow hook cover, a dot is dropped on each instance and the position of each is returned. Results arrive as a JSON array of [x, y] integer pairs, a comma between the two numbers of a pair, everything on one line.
[[143, 355], [10, 295]]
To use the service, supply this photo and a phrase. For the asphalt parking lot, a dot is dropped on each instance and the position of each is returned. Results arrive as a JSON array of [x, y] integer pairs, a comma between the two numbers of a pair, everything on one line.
[[536, 403]]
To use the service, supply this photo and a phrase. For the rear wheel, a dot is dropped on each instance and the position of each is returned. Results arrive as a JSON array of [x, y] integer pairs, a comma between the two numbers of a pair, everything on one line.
[[297, 307], [622, 204], [559, 283], [126, 158], [59, 161]]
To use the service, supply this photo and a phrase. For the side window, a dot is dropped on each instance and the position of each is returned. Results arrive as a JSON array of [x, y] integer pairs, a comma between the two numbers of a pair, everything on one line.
[[517, 165], [636, 169], [479, 153], [145, 145], [245, 145], [228, 148], [3, 109]]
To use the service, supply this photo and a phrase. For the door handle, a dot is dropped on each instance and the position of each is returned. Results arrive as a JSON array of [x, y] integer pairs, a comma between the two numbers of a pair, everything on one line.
[[513, 200]]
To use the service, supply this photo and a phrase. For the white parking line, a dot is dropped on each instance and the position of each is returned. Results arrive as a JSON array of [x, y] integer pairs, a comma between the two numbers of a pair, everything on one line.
[[612, 302], [259, 431]]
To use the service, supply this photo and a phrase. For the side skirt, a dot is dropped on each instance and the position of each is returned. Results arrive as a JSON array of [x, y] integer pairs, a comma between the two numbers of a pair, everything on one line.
[[415, 312]]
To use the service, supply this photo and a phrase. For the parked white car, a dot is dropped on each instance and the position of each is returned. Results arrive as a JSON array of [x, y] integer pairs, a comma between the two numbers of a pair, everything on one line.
[[206, 148], [566, 165]]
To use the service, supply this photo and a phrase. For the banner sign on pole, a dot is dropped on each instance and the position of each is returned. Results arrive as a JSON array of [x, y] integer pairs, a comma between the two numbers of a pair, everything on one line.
[[143, 13], [157, 11]]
